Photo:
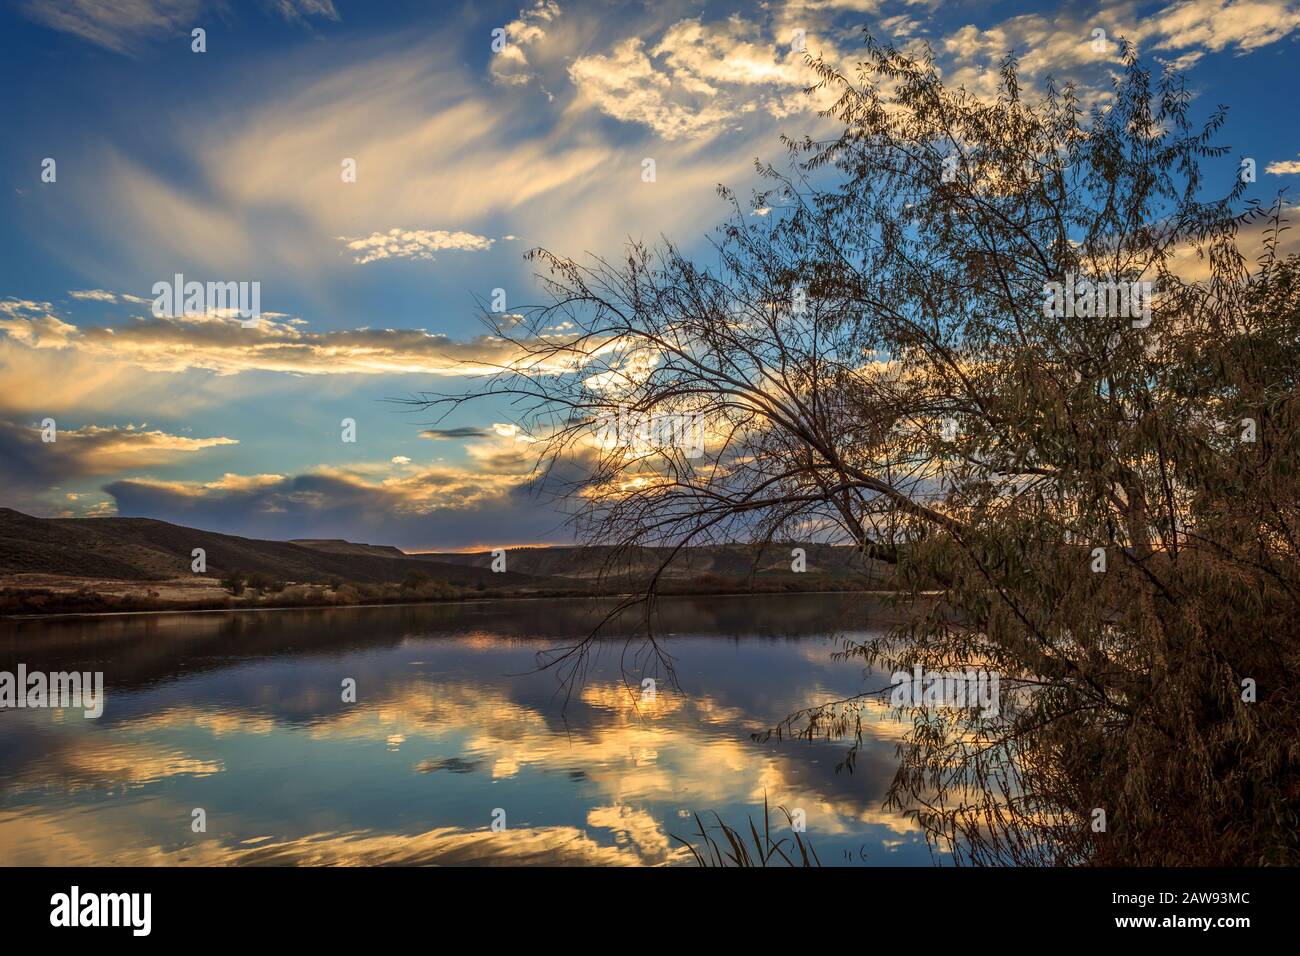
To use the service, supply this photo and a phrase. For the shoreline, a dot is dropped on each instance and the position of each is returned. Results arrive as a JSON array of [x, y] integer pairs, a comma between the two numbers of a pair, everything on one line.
[[63, 615]]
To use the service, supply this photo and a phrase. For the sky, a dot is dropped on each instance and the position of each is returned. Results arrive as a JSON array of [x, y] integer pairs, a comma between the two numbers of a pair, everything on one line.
[[235, 164]]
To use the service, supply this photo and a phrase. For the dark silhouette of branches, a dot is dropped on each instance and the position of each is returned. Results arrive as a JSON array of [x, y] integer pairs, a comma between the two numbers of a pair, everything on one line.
[[873, 363]]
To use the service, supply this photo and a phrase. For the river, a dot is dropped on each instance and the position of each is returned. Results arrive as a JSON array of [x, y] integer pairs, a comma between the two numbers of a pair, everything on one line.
[[226, 738]]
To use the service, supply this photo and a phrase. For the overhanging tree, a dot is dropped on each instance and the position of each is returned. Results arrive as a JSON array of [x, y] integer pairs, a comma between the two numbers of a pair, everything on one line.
[[1108, 503]]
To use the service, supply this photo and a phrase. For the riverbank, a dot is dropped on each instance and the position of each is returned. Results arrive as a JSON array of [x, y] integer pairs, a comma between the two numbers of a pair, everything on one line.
[[26, 596]]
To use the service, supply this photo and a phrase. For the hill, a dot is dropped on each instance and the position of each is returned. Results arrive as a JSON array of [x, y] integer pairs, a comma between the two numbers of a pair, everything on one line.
[[143, 549], [339, 546], [730, 561]]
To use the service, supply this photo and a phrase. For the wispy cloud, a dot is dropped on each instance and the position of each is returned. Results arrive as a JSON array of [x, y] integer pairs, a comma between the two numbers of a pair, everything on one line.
[[412, 244], [302, 9], [450, 433], [442, 135], [123, 26], [175, 344], [510, 63], [117, 25]]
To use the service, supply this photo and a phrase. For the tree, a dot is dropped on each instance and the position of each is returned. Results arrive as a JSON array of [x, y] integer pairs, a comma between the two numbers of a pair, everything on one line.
[[234, 582], [1010, 348], [262, 581]]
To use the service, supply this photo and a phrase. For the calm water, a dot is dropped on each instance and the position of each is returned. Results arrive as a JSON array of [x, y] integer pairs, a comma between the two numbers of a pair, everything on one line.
[[242, 715]]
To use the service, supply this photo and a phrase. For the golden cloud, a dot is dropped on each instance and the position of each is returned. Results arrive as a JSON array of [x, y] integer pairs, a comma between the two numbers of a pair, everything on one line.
[[275, 344]]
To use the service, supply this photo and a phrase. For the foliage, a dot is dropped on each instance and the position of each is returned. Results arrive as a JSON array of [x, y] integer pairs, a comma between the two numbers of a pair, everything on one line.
[[731, 847], [873, 361]]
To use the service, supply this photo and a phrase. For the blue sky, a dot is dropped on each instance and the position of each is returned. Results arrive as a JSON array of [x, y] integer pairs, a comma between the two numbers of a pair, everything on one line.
[[226, 166]]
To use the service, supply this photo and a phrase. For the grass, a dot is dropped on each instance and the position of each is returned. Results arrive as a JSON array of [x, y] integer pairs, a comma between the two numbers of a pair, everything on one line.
[[732, 849]]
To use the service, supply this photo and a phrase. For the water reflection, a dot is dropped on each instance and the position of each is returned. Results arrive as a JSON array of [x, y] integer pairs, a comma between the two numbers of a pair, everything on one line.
[[242, 715]]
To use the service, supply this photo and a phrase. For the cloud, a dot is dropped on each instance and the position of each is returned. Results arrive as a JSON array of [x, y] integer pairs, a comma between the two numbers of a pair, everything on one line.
[[103, 295], [814, 6], [412, 244], [300, 10], [31, 467], [81, 384], [445, 433], [260, 188], [34, 324], [1284, 167], [429, 509], [176, 344], [1215, 25], [510, 63], [494, 498], [699, 80], [1252, 241], [257, 192], [124, 25], [1062, 41], [425, 142], [628, 87], [116, 26], [154, 226], [48, 368]]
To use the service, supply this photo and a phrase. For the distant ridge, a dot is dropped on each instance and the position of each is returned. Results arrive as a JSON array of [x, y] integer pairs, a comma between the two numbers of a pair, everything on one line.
[[143, 549], [720, 560], [339, 546]]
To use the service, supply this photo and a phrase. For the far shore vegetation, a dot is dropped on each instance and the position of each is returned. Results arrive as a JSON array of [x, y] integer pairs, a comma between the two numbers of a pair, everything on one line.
[[244, 592]]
